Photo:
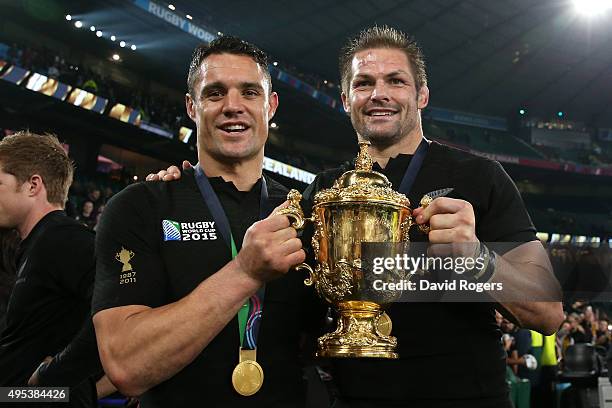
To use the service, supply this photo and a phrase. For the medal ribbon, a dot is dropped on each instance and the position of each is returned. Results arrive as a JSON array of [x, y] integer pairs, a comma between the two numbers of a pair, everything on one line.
[[250, 314], [414, 167]]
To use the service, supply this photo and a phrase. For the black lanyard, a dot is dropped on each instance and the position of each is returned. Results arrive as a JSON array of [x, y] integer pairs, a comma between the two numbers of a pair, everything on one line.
[[250, 314], [216, 209], [414, 167]]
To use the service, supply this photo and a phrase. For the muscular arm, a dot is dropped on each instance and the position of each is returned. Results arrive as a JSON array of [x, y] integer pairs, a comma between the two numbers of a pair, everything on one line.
[[142, 346], [526, 273]]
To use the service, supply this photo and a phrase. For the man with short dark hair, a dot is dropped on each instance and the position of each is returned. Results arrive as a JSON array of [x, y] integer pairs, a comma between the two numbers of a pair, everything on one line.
[[48, 311], [193, 304]]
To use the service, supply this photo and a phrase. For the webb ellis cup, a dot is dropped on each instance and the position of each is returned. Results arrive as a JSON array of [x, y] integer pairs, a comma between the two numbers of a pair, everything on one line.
[[360, 207]]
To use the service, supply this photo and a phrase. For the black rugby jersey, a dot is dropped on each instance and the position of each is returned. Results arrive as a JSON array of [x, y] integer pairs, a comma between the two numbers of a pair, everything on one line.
[[448, 351], [168, 236]]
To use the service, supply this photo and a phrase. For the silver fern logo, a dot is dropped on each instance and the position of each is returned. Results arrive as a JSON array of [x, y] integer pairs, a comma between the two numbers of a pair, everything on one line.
[[443, 192]]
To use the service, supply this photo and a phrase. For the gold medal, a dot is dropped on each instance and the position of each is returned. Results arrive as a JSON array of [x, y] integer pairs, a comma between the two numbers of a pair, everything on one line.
[[248, 375], [384, 324]]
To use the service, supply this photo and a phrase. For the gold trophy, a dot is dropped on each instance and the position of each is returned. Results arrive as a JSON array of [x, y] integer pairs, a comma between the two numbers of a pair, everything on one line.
[[360, 207]]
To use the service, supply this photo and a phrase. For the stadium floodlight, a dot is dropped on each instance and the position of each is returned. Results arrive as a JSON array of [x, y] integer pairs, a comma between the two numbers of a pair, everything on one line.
[[273, 125], [68, 17], [122, 44], [171, 7], [219, 33], [275, 63], [92, 28], [522, 111], [189, 17], [116, 57], [560, 114], [78, 24], [133, 47], [98, 33], [592, 7], [113, 38]]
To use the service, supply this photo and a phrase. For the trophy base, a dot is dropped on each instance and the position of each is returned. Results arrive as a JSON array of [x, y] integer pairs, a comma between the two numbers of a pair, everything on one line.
[[357, 334]]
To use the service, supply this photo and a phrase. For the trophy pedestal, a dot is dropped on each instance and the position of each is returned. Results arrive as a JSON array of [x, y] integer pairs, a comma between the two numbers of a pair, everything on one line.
[[356, 334]]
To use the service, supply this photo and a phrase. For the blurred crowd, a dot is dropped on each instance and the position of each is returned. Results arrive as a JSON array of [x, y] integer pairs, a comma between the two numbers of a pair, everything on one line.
[[537, 361], [168, 113], [154, 108], [158, 109], [86, 202]]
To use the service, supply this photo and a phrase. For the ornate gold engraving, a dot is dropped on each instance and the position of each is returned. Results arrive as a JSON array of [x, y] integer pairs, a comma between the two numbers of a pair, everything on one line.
[[361, 207]]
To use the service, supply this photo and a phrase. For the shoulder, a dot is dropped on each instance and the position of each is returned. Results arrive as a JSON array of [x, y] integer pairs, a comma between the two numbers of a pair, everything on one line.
[[133, 210], [325, 179], [461, 166], [148, 196], [452, 157], [64, 236], [274, 187], [147, 191]]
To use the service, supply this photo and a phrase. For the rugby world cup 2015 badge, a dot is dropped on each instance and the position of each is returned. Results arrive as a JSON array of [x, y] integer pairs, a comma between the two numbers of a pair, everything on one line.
[[189, 231], [172, 230]]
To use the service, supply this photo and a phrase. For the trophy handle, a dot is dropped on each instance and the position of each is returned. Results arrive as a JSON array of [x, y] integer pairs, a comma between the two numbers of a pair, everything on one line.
[[310, 280], [425, 201], [294, 210]]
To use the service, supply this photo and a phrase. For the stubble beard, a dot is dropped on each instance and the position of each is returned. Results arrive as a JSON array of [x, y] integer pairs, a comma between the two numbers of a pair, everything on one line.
[[385, 138]]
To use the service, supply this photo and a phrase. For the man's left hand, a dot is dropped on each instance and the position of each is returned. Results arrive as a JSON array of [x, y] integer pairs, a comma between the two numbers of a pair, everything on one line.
[[34, 380]]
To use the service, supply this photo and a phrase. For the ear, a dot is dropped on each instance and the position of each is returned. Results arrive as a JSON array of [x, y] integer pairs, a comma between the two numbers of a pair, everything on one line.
[[36, 186], [272, 105], [345, 102], [423, 98], [190, 105]]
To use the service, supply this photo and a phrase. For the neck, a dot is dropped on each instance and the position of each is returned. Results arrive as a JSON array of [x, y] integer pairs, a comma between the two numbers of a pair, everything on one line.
[[407, 145], [34, 217], [244, 173]]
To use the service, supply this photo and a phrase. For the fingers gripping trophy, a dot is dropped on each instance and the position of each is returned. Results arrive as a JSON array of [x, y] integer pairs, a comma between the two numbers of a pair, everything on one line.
[[360, 207]]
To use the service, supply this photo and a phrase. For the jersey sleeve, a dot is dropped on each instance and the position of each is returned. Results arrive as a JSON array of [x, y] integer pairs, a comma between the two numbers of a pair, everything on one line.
[[505, 219], [129, 268]]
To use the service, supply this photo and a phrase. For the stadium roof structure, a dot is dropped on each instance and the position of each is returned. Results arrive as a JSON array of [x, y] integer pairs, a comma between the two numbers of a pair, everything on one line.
[[486, 57]]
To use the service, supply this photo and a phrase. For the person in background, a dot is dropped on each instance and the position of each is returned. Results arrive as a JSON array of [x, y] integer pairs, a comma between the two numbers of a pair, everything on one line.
[[602, 334], [86, 216], [48, 339]]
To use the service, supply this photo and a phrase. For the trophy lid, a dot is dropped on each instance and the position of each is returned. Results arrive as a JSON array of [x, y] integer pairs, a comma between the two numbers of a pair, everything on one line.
[[362, 185]]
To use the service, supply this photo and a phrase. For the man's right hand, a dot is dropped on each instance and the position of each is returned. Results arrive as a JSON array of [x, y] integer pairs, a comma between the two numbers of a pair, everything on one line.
[[270, 248], [170, 174]]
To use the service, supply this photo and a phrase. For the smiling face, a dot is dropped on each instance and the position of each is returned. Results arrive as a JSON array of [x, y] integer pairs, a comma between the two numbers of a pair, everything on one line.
[[382, 96], [231, 108]]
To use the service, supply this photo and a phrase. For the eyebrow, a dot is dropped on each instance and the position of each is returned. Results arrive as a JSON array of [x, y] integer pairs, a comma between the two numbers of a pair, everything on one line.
[[221, 85], [389, 75]]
